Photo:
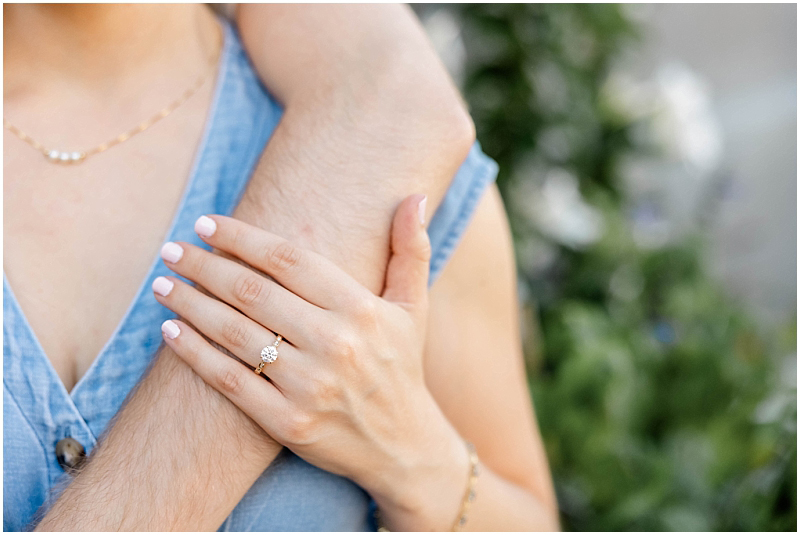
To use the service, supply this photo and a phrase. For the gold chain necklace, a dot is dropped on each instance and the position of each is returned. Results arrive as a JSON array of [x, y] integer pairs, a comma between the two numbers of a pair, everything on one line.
[[74, 157]]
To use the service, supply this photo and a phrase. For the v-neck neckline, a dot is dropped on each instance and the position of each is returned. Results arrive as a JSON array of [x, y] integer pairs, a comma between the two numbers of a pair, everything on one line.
[[42, 361]]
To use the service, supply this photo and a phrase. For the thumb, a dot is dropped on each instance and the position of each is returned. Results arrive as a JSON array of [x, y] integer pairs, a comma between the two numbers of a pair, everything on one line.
[[407, 271]]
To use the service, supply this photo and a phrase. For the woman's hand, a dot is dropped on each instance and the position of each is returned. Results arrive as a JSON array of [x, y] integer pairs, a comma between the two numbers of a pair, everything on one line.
[[347, 392]]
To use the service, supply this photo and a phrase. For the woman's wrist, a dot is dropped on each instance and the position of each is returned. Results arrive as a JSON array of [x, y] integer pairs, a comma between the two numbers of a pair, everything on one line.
[[425, 488]]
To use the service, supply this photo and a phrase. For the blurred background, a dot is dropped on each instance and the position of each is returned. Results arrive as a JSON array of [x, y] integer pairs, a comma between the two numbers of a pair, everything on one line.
[[648, 163]]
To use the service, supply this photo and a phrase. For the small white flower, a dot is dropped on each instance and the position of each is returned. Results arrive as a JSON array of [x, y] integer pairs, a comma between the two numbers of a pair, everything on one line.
[[561, 213]]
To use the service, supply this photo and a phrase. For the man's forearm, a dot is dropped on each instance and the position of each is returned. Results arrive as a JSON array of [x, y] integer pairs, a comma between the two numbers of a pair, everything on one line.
[[179, 456], [399, 127]]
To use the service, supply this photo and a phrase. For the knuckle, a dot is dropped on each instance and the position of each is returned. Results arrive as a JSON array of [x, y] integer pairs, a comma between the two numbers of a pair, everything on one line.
[[299, 428], [342, 346], [231, 381], [239, 237], [235, 333], [250, 290], [365, 310], [190, 352], [283, 256], [424, 252], [200, 265]]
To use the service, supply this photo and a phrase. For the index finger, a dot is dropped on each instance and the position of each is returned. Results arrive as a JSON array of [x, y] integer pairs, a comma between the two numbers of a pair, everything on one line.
[[304, 273]]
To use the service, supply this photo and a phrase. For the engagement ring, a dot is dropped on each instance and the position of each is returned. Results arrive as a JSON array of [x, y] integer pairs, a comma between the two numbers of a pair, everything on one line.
[[268, 355]]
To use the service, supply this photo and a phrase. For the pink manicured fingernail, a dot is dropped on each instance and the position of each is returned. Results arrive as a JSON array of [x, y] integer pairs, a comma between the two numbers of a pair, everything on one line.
[[171, 252], [421, 210], [205, 226], [162, 286], [170, 329]]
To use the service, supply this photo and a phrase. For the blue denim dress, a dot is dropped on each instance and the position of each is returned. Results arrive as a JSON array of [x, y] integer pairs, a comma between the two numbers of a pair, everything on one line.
[[291, 495]]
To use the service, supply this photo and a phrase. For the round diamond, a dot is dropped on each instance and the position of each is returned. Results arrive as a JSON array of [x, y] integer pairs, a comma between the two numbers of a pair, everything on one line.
[[64, 157], [269, 354], [53, 154], [76, 156]]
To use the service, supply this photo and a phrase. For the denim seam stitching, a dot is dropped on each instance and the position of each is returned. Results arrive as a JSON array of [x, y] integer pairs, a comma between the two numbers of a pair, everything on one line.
[[484, 177], [25, 417]]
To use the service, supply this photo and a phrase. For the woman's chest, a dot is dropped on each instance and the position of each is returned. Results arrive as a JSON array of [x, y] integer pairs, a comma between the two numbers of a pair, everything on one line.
[[79, 239]]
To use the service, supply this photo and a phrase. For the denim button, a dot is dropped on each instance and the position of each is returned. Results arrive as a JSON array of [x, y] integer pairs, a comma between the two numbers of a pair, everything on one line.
[[70, 453]]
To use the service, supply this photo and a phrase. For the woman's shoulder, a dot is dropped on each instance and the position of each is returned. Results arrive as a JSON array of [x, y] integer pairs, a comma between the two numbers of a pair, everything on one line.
[[484, 254]]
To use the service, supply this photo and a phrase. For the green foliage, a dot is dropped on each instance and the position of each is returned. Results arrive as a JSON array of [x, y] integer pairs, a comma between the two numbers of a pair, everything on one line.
[[661, 405]]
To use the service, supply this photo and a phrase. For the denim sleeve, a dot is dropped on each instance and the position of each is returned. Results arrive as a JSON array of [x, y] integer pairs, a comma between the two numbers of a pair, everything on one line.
[[454, 213]]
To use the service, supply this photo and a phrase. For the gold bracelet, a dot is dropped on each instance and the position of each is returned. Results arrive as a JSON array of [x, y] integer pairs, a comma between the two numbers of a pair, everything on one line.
[[469, 495]]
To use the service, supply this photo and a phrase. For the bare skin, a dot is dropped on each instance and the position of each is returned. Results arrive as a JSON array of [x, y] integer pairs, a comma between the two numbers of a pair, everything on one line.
[[371, 350], [170, 490], [473, 306], [54, 249]]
